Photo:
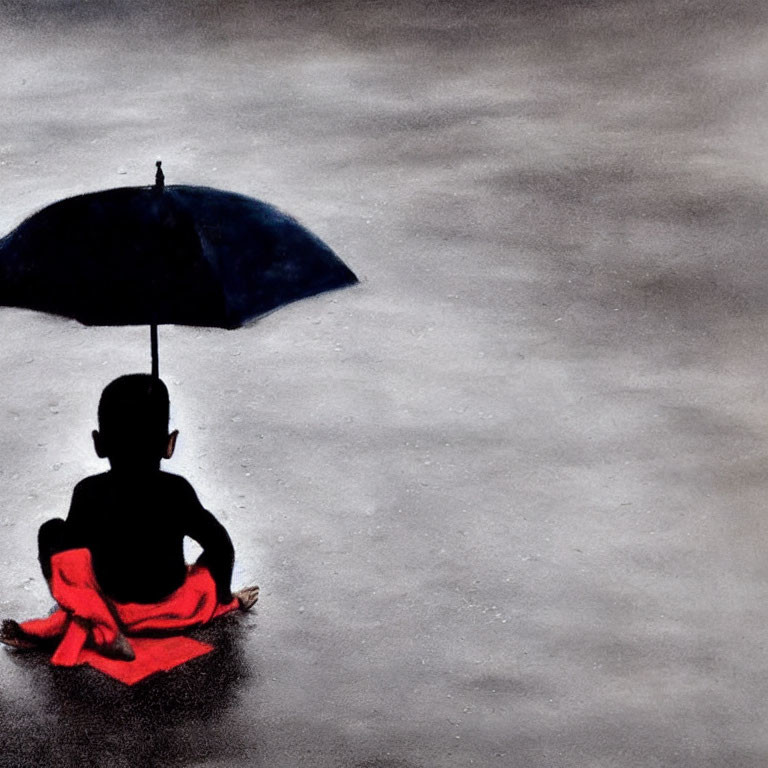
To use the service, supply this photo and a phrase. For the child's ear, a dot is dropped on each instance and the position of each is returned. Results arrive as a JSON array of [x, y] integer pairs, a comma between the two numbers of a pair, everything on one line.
[[169, 448], [98, 444]]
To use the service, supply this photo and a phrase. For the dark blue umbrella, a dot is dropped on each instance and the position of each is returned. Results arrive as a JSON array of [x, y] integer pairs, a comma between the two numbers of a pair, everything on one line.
[[177, 254]]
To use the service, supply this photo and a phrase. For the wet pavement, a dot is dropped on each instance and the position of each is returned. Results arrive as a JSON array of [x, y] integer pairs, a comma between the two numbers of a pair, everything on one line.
[[505, 498]]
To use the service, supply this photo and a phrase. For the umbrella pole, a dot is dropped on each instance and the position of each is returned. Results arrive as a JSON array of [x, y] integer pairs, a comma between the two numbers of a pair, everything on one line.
[[153, 339]]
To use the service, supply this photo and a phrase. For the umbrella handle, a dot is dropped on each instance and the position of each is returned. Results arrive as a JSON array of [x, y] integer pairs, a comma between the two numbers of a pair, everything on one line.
[[153, 341]]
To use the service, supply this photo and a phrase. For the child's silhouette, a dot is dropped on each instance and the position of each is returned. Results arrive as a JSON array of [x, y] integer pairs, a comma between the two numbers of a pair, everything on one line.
[[133, 518]]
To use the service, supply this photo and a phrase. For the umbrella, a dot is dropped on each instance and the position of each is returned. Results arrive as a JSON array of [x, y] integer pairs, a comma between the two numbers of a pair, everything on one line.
[[187, 255]]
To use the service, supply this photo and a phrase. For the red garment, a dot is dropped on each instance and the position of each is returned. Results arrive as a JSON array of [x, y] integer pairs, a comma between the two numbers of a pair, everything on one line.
[[85, 611]]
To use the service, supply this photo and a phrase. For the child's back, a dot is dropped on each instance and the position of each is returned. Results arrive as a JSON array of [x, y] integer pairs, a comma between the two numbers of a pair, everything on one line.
[[135, 524]]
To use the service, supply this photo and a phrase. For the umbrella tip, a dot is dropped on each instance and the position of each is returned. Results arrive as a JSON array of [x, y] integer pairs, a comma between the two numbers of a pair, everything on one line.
[[159, 176]]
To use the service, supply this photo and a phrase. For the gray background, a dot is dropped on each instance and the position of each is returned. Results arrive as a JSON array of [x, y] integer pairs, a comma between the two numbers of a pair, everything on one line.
[[505, 499]]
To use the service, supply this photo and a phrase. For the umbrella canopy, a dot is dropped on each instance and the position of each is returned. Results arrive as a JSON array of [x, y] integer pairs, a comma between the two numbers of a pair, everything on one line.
[[177, 254], [186, 255]]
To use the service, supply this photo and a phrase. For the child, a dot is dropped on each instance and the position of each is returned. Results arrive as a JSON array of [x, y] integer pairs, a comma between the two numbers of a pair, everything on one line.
[[133, 518]]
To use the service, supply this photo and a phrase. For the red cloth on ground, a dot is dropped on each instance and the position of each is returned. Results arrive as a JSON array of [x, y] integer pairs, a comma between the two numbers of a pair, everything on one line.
[[85, 612]]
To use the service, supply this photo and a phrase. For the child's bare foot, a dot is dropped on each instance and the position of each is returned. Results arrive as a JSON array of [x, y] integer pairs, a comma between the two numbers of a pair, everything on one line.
[[247, 597], [12, 634], [119, 648]]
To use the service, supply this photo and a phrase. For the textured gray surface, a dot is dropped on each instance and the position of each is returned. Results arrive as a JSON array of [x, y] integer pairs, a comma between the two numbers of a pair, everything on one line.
[[505, 499]]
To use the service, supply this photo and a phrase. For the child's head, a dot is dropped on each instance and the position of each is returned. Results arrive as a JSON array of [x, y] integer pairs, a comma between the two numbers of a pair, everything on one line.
[[133, 421]]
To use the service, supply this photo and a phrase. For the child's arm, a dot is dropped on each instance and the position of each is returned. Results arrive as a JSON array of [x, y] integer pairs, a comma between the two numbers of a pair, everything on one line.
[[218, 553]]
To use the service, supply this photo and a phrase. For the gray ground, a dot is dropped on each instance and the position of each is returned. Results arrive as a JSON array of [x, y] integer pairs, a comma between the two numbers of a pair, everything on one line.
[[505, 499]]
